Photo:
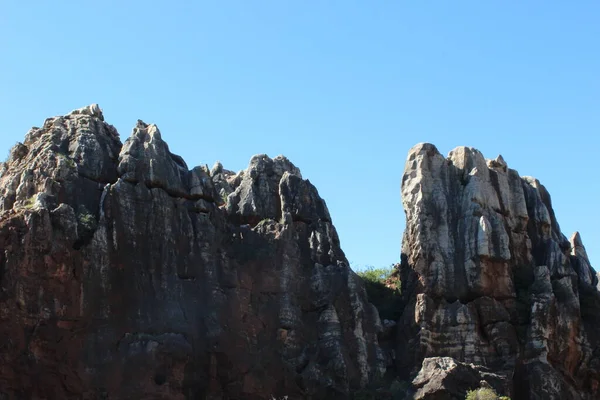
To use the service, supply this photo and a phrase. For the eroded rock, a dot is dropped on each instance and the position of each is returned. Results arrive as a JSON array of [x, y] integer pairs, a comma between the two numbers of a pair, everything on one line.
[[490, 280], [444, 378], [122, 277]]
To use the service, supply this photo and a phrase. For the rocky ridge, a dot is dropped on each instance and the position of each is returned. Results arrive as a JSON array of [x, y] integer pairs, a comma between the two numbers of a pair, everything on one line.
[[489, 279], [125, 274]]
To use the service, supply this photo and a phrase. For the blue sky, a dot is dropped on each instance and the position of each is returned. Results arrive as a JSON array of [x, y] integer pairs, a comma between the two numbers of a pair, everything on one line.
[[342, 88]]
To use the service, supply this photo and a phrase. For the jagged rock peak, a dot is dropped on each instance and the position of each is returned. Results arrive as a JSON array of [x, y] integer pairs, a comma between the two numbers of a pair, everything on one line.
[[92, 110], [489, 278], [277, 165], [577, 244], [83, 145], [65, 150], [274, 189], [123, 274]]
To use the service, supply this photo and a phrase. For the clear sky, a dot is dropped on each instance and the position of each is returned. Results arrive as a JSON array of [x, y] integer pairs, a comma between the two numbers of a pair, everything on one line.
[[343, 88]]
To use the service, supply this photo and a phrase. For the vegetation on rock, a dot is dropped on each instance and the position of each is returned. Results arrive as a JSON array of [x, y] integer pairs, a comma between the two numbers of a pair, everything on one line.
[[383, 289], [484, 394], [29, 203]]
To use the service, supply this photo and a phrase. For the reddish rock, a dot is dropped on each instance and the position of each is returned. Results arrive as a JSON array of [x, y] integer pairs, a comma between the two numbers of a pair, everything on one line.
[[122, 278]]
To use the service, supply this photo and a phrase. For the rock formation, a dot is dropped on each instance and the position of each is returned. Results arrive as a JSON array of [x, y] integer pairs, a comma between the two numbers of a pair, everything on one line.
[[126, 275], [489, 280]]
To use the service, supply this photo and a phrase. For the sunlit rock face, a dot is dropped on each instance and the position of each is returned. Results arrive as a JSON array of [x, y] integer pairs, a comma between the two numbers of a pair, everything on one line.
[[124, 274], [489, 279]]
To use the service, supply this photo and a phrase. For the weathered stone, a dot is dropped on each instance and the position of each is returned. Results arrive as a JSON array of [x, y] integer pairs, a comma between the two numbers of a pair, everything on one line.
[[443, 378], [120, 277], [201, 186], [256, 197], [579, 259], [224, 181], [146, 158], [125, 275], [490, 280], [70, 157]]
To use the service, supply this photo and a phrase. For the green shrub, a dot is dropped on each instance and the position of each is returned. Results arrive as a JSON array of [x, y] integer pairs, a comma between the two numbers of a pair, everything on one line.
[[376, 275], [29, 202], [383, 289], [224, 197], [484, 394], [86, 226], [87, 220]]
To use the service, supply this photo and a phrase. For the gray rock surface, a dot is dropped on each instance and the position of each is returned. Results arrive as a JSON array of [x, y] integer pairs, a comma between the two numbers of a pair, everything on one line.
[[123, 274], [126, 274], [490, 280], [443, 378]]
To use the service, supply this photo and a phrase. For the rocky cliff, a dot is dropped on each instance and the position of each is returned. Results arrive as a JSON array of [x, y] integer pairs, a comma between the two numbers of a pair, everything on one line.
[[493, 290], [126, 275]]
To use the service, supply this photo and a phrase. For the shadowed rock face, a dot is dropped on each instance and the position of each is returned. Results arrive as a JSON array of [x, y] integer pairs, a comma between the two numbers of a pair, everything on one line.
[[124, 274], [489, 279]]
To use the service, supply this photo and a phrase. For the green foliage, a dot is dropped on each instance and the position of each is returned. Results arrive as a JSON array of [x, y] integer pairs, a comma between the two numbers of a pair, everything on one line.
[[87, 220], [86, 226], [224, 197], [29, 202], [484, 394], [376, 275], [383, 289]]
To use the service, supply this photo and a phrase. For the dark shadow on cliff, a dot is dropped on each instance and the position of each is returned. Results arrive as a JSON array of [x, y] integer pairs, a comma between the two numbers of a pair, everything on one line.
[[383, 289]]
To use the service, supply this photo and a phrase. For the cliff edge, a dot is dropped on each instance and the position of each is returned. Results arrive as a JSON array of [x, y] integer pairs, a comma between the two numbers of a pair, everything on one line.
[[124, 274]]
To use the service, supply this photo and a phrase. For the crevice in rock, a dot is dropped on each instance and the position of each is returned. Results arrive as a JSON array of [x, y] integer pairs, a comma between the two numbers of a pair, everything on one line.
[[178, 160], [466, 299], [3, 262], [160, 379], [173, 194], [198, 212], [481, 331], [496, 185], [185, 277], [298, 218], [101, 181], [87, 223]]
